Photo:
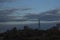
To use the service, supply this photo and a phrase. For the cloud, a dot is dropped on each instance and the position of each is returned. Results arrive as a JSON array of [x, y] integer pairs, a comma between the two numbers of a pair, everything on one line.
[[51, 15], [7, 11], [26, 22], [2, 1], [24, 9], [32, 16], [4, 14]]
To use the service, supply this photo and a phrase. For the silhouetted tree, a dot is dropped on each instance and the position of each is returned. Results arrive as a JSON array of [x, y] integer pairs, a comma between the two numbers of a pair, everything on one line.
[[31, 34]]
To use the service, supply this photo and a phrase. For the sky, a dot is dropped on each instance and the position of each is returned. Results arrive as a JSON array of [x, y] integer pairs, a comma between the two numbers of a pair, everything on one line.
[[14, 8], [30, 6], [11, 9]]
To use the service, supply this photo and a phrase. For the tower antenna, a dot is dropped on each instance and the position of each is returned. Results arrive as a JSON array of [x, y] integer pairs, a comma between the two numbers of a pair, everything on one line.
[[38, 23]]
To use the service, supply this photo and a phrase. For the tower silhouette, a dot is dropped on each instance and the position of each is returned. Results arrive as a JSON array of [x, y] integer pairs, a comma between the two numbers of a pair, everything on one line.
[[38, 23]]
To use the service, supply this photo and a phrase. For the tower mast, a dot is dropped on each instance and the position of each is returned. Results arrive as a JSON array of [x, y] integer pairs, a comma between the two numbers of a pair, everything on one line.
[[38, 23]]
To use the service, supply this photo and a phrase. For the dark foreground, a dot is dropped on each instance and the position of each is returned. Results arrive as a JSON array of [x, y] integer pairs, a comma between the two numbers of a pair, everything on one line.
[[31, 34]]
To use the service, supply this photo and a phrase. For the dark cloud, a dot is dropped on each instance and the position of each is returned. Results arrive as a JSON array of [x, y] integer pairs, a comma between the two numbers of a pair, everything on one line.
[[26, 9], [5, 18], [2, 1], [51, 15], [7, 11], [32, 16], [4, 14]]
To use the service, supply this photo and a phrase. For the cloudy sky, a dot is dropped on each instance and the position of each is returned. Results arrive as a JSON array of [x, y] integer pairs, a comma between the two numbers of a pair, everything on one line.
[[15, 8], [29, 6], [21, 11]]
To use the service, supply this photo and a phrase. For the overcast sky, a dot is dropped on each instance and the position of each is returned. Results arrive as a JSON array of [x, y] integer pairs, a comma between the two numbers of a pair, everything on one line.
[[9, 9], [25, 7], [30, 6]]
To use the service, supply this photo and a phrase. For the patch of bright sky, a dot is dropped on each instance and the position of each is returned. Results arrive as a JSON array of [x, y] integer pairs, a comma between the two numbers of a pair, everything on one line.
[[26, 22], [36, 5]]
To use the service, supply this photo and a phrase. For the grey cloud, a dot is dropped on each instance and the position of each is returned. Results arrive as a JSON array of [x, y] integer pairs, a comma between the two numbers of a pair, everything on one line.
[[4, 14], [7, 11], [51, 15], [26, 9], [2, 1], [32, 16]]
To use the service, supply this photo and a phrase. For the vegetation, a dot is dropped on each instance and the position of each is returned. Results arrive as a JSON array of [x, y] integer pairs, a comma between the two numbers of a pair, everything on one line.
[[31, 34]]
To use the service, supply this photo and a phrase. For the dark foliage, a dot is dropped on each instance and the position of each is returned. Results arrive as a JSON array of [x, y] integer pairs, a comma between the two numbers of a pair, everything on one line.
[[30, 34]]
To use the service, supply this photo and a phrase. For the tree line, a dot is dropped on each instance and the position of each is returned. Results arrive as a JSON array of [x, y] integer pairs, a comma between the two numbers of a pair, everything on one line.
[[32, 34]]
